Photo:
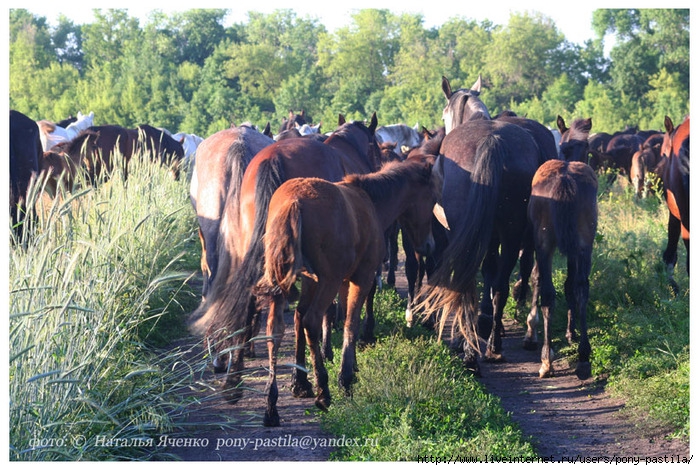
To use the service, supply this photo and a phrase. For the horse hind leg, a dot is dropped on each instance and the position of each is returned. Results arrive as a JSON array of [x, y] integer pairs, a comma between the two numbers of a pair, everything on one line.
[[670, 253], [582, 295], [357, 294], [531, 341], [548, 303], [300, 385], [275, 333], [313, 326], [367, 331]]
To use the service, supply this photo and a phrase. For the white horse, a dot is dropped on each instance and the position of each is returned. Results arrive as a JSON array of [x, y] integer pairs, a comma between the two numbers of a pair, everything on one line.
[[52, 134], [189, 142], [404, 136]]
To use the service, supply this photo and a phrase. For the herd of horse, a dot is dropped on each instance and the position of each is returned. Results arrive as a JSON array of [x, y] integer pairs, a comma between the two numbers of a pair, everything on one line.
[[307, 218]]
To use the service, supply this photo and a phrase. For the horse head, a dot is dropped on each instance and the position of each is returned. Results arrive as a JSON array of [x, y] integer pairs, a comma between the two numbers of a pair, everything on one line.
[[462, 105]]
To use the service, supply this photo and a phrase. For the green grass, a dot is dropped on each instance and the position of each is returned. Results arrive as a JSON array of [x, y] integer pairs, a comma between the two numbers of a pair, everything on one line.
[[415, 398]]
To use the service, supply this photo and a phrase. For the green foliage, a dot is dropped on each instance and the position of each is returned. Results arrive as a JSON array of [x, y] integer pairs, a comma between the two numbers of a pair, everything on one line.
[[187, 72], [415, 398]]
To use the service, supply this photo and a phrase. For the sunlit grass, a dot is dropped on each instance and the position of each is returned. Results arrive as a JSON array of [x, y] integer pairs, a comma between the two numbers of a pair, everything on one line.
[[98, 282]]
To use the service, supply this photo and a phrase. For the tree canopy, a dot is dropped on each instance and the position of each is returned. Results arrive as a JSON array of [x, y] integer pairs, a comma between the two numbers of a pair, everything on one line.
[[188, 72]]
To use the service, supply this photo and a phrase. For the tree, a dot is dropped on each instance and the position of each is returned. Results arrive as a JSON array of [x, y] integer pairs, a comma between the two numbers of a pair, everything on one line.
[[646, 41], [67, 43], [356, 60], [522, 59], [104, 40]]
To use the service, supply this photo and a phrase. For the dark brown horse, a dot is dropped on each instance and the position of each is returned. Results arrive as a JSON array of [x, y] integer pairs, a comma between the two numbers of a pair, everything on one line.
[[25, 155], [644, 164], [161, 147], [98, 149], [293, 120], [227, 316], [487, 172], [332, 236], [491, 149], [574, 143], [675, 176], [563, 214], [221, 161]]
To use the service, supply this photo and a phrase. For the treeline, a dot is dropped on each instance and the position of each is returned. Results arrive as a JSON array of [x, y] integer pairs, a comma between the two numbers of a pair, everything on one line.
[[188, 72]]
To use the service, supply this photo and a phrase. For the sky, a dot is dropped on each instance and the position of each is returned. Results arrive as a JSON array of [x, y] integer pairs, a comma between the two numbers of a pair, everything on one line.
[[573, 19]]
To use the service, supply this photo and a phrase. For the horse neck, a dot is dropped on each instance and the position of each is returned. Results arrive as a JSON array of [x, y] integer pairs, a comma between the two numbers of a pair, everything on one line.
[[354, 158], [390, 195]]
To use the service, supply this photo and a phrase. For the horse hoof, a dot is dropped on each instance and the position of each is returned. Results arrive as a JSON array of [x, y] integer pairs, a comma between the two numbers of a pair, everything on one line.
[[530, 345], [232, 396], [323, 403], [302, 390], [494, 357], [545, 373], [584, 370], [271, 420]]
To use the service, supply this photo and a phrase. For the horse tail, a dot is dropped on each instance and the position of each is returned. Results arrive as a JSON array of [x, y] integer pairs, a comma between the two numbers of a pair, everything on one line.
[[565, 208], [228, 306], [238, 157], [452, 286], [283, 255]]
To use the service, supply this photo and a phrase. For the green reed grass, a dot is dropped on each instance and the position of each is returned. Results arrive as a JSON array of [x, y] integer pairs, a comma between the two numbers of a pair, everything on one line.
[[98, 281]]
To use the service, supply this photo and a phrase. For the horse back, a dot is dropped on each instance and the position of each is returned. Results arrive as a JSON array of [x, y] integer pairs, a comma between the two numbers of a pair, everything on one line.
[[563, 205]]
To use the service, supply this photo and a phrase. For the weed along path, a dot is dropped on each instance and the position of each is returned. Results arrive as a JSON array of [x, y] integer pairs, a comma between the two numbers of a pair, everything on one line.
[[565, 417]]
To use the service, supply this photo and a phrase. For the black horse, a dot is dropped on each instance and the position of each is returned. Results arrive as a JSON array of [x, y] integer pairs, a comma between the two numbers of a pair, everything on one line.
[[25, 155]]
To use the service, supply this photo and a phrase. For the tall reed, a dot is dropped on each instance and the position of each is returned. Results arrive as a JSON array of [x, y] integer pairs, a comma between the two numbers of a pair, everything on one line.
[[99, 277]]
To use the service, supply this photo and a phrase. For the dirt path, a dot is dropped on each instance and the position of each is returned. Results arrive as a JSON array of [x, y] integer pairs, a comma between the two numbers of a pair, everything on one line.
[[566, 417]]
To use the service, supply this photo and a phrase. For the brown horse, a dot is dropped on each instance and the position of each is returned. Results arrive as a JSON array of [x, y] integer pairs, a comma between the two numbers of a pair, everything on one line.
[[95, 150], [227, 316], [161, 147], [221, 161], [675, 176], [563, 214], [332, 235], [487, 186], [293, 120]]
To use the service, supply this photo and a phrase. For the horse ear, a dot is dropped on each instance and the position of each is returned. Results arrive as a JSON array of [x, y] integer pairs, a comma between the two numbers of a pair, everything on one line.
[[446, 87], [669, 126], [266, 130], [341, 120], [374, 123], [561, 124], [477, 86]]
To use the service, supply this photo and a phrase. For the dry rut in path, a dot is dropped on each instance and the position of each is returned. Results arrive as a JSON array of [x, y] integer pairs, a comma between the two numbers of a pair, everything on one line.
[[565, 417]]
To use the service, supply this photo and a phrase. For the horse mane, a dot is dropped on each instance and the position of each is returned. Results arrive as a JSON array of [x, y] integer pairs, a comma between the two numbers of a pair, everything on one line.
[[385, 183], [345, 133], [463, 100]]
